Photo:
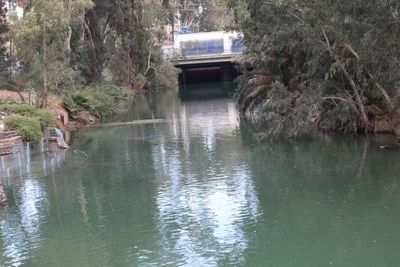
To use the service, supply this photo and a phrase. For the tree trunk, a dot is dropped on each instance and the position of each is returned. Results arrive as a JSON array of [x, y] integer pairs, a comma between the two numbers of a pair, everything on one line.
[[45, 89], [68, 46], [44, 70], [68, 40]]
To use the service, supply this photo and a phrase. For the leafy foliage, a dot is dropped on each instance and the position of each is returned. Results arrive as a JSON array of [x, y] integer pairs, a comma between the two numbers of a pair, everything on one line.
[[4, 64], [319, 65], [100, 100], [28, 128], [205, 15], [124, 37], [45, 117], [42, 38]]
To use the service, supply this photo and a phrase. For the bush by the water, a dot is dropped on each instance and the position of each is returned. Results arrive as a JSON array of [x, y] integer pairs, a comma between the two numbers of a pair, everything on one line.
[[28, 128], [27, 120], [100, 100], [308, 68], [45, 117], [22, 109]]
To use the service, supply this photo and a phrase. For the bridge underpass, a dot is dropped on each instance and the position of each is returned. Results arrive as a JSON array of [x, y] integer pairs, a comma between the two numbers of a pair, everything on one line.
[[206, 61], [206, 80]]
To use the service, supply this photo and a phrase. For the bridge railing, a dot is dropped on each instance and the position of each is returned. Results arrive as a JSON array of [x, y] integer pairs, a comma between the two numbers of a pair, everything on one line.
[[202, 50], [204, 44], [202, 47]]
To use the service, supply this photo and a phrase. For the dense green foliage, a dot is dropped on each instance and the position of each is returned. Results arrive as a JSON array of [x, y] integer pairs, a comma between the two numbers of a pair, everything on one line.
[[100, 100], [42, 40], [61, 46], [28, 128], [8, 63], [3, 30], [45, 117], [124, 38], [205, 15], [320, 65]]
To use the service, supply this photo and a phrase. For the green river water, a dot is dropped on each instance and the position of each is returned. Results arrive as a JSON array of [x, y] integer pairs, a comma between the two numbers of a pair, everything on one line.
[[198, 190]]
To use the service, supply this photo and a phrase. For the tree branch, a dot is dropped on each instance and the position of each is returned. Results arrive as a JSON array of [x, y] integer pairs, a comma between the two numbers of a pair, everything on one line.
[[351, 81]]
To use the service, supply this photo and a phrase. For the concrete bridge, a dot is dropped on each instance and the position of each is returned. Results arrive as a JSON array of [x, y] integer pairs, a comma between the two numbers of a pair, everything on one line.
[[205, 56], [204, 48]]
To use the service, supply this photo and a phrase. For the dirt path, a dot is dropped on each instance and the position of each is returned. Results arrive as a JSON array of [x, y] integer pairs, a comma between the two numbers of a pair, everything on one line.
[[9, 95]]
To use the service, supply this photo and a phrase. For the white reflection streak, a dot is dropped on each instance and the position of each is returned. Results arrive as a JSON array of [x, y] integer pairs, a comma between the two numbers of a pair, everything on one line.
[[21, 230], [227, 204], [190, 207], [209, 136]]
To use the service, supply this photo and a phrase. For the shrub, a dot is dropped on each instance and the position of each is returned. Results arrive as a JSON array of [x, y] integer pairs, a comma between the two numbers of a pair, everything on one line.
[[81, 100], [70, 104], [22, 109], [28, 128], [45, 117], [100, 100], [106, 98]]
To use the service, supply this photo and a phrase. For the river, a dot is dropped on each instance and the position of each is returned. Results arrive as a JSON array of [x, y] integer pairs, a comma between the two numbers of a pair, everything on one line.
[[198, 190]]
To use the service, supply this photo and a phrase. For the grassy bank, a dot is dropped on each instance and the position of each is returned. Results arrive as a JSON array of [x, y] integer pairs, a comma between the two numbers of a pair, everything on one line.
[[81, 107]]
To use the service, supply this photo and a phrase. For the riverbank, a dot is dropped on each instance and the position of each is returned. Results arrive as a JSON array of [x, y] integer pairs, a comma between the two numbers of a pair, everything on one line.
[[23, 122], [298, 120], [72, 111]]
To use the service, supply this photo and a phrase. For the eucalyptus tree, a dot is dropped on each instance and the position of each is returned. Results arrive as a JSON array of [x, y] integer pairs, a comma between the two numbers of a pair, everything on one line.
[[93, 50], [7, 59], [126, 37], [42, 38], [205, 15], [3, 30]]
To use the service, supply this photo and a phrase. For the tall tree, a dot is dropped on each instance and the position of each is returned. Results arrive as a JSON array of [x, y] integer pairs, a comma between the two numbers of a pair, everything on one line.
[[125, 36], [3, 30], [205, 15], [93, 51], [42, 38]]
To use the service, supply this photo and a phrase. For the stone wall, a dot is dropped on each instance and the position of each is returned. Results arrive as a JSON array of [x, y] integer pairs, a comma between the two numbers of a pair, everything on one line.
[[8, 141]]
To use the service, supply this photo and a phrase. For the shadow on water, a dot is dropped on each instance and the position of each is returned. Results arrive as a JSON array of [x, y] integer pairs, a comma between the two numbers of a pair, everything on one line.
[[206, 90]]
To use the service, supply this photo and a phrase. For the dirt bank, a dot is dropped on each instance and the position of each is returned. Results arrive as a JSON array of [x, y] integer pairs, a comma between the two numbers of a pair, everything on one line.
[[55, 104]]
